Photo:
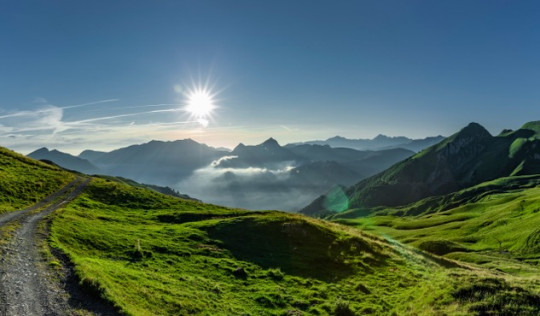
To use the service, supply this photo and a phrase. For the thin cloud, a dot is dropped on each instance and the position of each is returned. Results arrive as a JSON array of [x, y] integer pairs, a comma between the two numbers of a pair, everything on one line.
[[46, 124], [150, 105], [25, 113], [123, 115], [90, 103], [51, 108], [285, 127]]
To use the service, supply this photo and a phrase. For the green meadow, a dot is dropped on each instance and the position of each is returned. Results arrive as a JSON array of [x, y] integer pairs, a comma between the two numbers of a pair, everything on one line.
[[151, 254], [24, 181], [474, 251]]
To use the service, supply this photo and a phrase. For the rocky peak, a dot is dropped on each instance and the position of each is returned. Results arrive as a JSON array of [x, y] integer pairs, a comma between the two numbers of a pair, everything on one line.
[[270, 142], [41, 151], [238, 148], [469, 141], [474, 130]]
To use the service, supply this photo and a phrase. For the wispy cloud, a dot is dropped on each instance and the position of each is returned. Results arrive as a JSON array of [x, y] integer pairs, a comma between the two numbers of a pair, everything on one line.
[[26, 113], [47, 124], [90, 103], [151, 105], [289, 129]]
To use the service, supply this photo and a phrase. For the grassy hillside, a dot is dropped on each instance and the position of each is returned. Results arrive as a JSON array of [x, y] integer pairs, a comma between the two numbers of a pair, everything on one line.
[[24, 181], [467, 158], [495, 224], [152, 254]]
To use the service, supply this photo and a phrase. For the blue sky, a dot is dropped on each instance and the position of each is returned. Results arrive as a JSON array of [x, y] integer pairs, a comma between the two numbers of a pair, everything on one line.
[[294, 70]]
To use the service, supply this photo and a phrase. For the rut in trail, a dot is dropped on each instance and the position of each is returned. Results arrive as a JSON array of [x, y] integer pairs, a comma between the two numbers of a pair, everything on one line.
[[25, 289]]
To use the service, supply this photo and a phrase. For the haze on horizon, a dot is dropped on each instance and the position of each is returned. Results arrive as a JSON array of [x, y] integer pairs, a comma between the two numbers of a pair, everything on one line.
[[104, 75]]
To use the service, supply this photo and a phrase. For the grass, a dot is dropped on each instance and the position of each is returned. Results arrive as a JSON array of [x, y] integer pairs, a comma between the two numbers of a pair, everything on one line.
[[151, 254], [474, 252], [493, 226], [24, 181], [465, 159]]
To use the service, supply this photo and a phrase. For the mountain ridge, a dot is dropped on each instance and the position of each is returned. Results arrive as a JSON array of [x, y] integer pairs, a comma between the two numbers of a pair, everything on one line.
[[304, 171], [468, 157], [377, 143], [65, 160]]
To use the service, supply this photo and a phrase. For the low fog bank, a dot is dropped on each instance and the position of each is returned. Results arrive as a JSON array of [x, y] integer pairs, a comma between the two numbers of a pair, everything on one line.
[[276, 188]]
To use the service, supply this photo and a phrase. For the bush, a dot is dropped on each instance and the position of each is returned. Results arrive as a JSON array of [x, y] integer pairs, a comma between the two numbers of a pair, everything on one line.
[[342, 308], [440, 247], [275, 274]]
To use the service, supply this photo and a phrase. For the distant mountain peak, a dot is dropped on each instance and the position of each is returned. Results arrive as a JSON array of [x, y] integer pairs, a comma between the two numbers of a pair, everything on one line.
[[468, 157], [271, 142], [476, 130], [239, 147], [187, 140], [337, 137], [64, 160], [42, 150]]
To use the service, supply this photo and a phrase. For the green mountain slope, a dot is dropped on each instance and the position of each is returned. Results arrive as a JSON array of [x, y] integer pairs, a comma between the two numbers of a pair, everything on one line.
[[152, 254], [24, 181], [467, 158], [495, 224]]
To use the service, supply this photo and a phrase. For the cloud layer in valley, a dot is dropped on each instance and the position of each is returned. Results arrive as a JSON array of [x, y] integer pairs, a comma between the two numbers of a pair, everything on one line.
[[251, 188]]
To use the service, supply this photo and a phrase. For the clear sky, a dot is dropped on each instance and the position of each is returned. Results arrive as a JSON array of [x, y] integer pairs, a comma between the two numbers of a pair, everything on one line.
[[295, 70]]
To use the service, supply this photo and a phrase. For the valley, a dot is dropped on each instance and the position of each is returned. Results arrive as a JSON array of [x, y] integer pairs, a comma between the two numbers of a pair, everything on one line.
[[269, 158], [256, 177], [132, 250]]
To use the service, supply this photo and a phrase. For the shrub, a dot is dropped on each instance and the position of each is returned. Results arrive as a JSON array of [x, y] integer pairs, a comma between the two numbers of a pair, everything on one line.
[[342, 308]]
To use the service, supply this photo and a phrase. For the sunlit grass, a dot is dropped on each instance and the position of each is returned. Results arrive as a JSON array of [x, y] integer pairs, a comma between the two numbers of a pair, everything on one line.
[[152, 254], [24, 181]]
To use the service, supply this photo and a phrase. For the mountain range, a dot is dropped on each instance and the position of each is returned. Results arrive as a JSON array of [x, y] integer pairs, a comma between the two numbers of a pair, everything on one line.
[[65, 160], [378, 143], [253, 176], [469, 157], [451, 230], [156, 162]]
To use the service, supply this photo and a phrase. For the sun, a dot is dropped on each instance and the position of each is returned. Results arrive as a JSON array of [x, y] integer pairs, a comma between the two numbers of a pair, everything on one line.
[[200, 104]]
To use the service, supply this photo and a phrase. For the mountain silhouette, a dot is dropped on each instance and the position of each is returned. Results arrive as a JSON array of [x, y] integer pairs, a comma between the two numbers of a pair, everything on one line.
[[269, 175], [257, 177], [156, 162], [378, 143], [467, 158], [65, 160], [268, 154], [91, 155]]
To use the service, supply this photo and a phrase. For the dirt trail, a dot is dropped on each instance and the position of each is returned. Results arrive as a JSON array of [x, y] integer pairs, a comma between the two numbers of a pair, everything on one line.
[[12, 216], [24, 287]]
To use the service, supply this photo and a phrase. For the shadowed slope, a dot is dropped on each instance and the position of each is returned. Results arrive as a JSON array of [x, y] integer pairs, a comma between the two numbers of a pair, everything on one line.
[[467, 158]]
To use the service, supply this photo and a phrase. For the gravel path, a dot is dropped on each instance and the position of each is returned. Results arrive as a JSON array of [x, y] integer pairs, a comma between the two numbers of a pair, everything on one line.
[[25, 289], [13, 216]]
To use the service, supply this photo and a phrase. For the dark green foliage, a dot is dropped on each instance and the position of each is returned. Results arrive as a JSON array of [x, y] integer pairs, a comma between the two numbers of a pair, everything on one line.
[[472, 194], [343, 309], [492, 296], [157, 188], [440, 247], [532, 243], [297, 247], [275, 274], [185, 217]]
